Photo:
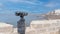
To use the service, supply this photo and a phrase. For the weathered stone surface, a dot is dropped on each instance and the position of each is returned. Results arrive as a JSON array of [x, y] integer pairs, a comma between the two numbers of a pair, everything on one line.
[[44, 27], [6, 28]]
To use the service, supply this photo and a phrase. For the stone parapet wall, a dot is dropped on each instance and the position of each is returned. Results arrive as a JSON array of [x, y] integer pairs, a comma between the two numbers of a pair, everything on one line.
[[44, 27], [6, 28]]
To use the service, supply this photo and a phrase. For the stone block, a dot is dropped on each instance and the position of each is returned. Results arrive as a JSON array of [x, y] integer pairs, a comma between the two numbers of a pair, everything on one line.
[[44, 27], [6, 28]]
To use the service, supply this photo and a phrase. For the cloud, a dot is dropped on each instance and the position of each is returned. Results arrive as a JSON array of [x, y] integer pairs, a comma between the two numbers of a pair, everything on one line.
[[1, 6], [21, 1], [33, 2], [29, 2], [52, 4], [13, 0]]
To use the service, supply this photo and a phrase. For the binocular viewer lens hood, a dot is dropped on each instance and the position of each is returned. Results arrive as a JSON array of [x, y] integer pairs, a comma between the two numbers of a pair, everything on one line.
[[21, 14]]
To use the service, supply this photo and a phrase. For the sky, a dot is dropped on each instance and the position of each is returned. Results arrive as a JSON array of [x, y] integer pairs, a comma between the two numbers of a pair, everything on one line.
[[9, 7], [31, 6]]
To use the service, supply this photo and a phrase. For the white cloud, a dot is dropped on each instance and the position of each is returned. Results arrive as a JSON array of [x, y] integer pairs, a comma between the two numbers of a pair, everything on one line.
[[1, 6], [29, 2], [51, 4], [13, 0], [33, 2]]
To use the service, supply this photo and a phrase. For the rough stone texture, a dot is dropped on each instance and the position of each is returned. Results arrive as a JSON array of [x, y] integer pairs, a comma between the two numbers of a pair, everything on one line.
[[15, 31], [53, 14], [44, 27], [6, 28]]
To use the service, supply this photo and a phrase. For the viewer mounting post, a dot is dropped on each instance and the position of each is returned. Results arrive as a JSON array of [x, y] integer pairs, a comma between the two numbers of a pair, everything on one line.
[[21, 22]]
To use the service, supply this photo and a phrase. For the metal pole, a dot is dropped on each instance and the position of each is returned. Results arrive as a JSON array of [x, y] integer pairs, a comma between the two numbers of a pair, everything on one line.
[[21, 26]]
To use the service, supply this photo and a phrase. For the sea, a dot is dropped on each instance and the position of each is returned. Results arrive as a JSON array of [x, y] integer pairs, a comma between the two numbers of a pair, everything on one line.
[[12, 19]]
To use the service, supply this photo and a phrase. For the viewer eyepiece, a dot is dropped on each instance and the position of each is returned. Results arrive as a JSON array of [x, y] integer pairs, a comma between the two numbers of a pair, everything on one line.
[[21, 14]]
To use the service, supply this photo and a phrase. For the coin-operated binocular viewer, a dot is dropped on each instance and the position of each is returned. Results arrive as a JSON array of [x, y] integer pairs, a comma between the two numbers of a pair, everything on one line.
[[21, 22]]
